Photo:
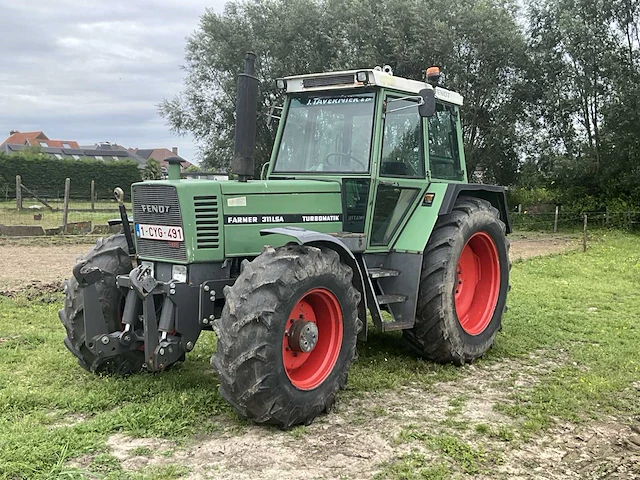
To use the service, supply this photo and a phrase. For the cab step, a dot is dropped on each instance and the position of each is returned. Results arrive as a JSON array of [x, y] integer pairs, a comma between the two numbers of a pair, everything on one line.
[[390, 298], [393, 326], [382, 272]]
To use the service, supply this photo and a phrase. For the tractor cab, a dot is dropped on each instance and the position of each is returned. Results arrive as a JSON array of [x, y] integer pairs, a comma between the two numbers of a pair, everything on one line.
[[384, 138]]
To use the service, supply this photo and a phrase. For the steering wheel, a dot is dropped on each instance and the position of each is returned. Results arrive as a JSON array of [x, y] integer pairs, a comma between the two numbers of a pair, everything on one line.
[[348, 155]]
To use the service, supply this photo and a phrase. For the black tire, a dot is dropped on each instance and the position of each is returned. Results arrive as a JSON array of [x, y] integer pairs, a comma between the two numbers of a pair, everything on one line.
[[438, 334], [110, 256], [249, 356]]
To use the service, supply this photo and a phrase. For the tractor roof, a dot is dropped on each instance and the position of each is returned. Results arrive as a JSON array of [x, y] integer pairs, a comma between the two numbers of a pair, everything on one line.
[[349, 79]]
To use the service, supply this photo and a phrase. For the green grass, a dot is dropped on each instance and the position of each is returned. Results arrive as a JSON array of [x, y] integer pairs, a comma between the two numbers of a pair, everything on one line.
[[580, 309], [414, 466], [584, 307]]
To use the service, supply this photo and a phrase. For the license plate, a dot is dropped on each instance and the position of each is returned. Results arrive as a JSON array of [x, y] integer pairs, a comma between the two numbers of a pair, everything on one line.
[[159, 232]]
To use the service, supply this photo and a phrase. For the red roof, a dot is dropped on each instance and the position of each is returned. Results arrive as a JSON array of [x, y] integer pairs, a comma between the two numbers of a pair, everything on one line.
[[38, 139]]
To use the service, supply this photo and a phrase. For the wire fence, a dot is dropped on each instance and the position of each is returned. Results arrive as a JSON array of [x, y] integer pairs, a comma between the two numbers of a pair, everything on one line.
[[44, 211], [572, 222]]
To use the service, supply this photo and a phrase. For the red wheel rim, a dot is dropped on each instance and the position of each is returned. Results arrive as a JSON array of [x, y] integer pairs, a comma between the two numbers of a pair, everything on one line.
[[478, 283], [307, 371]]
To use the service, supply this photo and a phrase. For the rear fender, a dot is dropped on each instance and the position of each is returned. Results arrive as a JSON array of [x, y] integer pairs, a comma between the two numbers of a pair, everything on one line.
[[317, 239], [494, 194]]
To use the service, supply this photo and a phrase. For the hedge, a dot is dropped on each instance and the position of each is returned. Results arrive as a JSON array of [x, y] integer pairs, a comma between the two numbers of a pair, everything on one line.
[[46, 175]]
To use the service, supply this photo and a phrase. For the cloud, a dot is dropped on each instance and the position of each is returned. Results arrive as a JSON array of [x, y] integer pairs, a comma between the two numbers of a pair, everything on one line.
[[95, 70]]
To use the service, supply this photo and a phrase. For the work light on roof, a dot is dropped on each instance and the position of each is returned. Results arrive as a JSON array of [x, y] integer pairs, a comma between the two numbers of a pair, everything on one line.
[[281, 83], [362, 77]]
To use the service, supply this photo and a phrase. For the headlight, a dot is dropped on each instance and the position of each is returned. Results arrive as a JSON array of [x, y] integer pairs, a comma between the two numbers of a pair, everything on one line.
[[179, 273], [362, 77]]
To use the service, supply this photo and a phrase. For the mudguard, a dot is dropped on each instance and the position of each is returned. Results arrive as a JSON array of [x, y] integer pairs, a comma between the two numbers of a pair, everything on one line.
[[494, 194]]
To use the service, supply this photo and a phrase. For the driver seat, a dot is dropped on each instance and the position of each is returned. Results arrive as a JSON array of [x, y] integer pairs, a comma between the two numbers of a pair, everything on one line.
[[395, 169]]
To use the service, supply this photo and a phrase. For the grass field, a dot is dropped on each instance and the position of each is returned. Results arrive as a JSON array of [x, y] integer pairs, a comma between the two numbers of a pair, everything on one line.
[[568, 357]]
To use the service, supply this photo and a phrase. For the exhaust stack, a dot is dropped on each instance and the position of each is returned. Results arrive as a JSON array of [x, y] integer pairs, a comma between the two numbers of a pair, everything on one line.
[[246, 113]]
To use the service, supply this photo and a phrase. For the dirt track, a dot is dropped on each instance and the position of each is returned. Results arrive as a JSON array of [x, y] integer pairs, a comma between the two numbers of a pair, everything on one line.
[[362, 434]]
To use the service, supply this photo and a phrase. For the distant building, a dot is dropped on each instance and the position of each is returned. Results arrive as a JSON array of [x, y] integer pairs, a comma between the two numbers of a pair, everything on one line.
[[103, 151], [36, 139], [159, 155]]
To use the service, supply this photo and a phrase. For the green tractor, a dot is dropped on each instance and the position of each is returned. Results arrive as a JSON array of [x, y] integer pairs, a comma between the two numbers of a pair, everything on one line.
[[364, 208]]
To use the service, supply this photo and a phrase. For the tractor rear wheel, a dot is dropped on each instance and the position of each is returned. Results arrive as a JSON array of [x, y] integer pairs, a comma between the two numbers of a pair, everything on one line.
[[110, 256], [287, 335], [463, 285]]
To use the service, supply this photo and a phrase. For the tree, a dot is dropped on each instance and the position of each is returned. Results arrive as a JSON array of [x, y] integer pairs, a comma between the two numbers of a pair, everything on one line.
[[152, 170], [584, 55], [477, 42]]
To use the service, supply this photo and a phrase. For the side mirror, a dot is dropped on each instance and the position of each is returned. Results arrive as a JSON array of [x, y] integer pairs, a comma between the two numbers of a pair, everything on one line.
[[428, 106]]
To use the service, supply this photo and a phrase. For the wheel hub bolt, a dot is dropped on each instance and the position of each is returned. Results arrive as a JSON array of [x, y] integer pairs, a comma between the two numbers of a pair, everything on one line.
[[105, 340]]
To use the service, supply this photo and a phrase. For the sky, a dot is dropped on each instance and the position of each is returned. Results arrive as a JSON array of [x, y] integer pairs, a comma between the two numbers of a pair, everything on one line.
[[95, 70]]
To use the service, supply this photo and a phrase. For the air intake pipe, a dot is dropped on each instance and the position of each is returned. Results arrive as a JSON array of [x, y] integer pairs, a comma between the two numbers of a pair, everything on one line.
[[246, 113]]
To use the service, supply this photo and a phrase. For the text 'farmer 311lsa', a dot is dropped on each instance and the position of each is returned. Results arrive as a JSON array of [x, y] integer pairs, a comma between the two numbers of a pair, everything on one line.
[[365, 209]]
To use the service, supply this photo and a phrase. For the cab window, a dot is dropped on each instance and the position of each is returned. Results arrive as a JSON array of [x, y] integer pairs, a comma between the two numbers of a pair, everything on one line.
[[444, 154], [402, 145]]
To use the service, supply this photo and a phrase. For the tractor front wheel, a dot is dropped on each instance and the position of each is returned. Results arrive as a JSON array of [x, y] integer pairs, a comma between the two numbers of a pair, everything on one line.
[[110, 256], [463, 285], [287, 335]]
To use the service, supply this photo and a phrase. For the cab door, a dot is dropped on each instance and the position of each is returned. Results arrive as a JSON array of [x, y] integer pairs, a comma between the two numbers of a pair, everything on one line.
[[401, 178]]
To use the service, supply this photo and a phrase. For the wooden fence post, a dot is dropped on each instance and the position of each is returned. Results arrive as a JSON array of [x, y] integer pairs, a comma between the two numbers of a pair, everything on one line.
[[584, 236], [18, 192], [555, 221], [65, 210], [93, 195]]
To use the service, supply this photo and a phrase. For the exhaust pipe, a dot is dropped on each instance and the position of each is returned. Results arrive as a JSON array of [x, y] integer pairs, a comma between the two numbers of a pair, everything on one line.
[[246, 113]]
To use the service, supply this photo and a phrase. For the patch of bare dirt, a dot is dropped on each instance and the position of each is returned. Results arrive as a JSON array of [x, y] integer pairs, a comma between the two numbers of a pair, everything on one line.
[[25, 266], [362, 433], [606, 449], [525, 246]]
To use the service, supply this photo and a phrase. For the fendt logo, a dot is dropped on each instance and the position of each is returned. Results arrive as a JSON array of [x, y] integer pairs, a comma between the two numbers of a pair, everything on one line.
[[155, 208]]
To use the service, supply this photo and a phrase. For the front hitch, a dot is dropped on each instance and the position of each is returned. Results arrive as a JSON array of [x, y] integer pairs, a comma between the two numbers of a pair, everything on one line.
[[170, 331], [164, 318]]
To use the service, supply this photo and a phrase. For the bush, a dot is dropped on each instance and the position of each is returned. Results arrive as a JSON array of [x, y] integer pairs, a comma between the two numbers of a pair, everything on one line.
[[528, 197], [43, 174]]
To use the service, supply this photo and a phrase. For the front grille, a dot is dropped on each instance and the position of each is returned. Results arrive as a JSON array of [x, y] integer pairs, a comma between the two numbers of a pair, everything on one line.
[[207, 221], [151, 196], [328, 80]]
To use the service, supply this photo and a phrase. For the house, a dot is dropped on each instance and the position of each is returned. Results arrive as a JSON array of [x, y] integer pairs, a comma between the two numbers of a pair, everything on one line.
[[36, 139], [104, 151], [159, 155], [74, 151]]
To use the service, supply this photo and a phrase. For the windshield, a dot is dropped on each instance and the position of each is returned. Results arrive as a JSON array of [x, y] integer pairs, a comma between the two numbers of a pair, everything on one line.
[[328, 133]]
